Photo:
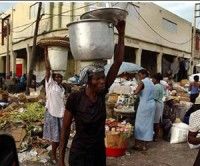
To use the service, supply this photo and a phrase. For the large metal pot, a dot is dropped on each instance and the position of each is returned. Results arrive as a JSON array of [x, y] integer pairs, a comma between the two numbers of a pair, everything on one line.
[[91, 39]]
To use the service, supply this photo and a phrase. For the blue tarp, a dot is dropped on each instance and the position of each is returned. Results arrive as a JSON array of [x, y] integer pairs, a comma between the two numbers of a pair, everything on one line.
[[126, 67]]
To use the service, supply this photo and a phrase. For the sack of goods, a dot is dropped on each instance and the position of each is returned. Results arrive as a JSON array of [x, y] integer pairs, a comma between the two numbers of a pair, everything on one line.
[[179, 133]]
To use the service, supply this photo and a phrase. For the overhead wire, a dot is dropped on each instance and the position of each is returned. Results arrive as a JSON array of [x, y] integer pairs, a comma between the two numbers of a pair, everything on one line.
[[24, 28], [30, 24], [129, 23], [51, 16], [22, 25], [182, 43]]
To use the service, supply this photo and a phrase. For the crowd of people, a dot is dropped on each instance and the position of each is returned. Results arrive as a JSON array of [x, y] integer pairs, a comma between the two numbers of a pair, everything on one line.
[[88, 109], [17, 84]]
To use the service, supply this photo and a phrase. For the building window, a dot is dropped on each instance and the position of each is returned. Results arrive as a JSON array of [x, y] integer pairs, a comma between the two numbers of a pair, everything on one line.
[[45, 7], [34, 9], [169, 25]]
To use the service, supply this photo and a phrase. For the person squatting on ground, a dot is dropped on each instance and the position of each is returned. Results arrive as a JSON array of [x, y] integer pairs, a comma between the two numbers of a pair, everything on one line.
[[55, 107], [88, 109], [158, 97], [146, 111]]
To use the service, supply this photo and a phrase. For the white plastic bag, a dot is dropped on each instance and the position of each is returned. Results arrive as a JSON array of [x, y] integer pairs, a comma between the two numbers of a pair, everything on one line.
[[179, 133]]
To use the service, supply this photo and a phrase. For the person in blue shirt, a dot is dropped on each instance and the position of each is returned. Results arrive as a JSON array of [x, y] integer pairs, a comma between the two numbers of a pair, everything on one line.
[[158, 96], [194, 89], [145, 112]]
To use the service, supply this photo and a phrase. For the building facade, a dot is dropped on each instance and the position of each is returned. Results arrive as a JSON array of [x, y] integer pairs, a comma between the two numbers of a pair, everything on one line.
[[154, 37], [197, 52]]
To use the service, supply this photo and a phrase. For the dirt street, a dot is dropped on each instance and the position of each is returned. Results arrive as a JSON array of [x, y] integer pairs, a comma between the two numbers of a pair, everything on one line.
[[160, 154]]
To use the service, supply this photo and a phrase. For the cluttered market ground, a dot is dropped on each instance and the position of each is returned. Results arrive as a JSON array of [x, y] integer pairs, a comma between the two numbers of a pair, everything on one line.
[[161, 154], [23, 118]]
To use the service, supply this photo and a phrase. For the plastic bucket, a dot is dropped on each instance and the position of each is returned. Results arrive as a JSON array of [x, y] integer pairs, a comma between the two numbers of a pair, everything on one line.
[[115, 152], [58, 57]]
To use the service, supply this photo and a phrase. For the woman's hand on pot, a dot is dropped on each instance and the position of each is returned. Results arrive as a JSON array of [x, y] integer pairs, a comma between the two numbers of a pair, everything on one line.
[[121, 27]]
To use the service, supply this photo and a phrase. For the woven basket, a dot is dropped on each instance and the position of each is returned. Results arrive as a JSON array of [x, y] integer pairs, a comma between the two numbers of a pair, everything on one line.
[[56, 38], [115, 141], [54, 41]]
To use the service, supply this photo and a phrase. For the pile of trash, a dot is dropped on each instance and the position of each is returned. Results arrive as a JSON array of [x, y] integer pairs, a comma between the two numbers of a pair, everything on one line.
[[23, 117], [22, 120]]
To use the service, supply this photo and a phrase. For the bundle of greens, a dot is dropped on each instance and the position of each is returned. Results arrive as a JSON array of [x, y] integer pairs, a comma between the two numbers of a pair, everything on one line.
[[33, 112]]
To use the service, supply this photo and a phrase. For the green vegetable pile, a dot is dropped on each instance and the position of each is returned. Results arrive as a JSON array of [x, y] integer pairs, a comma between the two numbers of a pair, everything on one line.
[[33, 112]]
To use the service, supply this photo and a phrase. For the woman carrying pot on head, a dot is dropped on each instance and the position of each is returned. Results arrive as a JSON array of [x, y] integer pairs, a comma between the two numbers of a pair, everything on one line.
[[145, 112], [158, 97], [55, 107], [88, 108]]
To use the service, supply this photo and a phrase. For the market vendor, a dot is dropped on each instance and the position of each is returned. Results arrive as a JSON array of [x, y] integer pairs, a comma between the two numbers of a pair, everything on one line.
[[195, 107], [169, 117], [146, 111], [88, 108], [158, 97], [55, 107], [194, 89], [125, 83]]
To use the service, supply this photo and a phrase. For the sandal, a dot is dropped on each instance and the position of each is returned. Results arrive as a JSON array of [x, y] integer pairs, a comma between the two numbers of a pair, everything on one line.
[[140, 148], [155, 140]]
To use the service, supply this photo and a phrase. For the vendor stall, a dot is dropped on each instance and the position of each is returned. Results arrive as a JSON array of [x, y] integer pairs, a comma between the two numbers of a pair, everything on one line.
[[120, 102], [117, 136]]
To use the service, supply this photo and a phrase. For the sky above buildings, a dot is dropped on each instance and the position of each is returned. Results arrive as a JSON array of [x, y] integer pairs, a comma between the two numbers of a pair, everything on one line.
[[5, 5], [184, 9]]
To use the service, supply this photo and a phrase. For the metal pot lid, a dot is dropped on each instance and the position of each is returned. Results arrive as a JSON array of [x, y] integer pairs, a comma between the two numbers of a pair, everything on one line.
[[90, 20], [111, 14]]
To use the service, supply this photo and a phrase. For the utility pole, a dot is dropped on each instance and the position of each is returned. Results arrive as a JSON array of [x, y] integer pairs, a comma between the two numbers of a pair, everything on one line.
[[8, 51], [7, 19], [196, 15], [12, 55], [6, 33], [33, 54]]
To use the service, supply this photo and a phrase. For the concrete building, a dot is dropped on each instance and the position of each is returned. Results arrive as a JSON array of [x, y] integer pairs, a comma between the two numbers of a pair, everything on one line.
[[154, 36], [197, 52]]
